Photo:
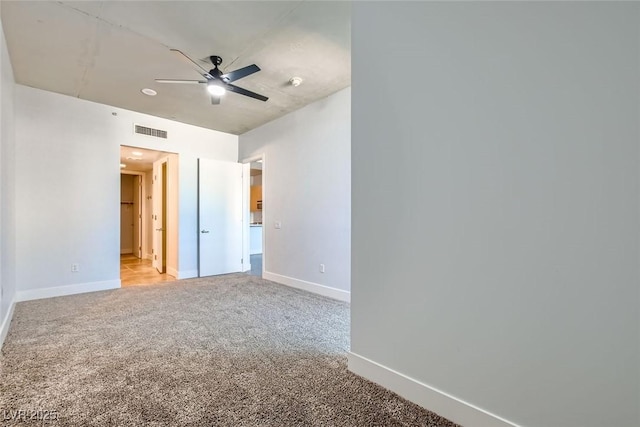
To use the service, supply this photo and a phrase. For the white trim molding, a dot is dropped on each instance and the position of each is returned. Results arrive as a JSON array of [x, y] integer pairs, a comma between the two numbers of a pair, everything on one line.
[[315, 288], [59, 291], [188, 274], [428, 397], [6, 322], [173, 272]]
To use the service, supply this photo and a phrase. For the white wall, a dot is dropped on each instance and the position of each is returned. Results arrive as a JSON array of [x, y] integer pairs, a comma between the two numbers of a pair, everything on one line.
[[306, 186], [7, 190], [496, 208], [67, 196]]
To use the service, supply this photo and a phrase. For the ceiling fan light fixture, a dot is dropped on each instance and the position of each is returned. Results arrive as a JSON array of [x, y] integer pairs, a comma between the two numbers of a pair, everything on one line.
[[218, 82], [215, 89]]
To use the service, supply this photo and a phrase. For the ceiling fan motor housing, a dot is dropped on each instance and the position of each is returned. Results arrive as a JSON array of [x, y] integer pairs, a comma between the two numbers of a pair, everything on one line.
[[215, 73]]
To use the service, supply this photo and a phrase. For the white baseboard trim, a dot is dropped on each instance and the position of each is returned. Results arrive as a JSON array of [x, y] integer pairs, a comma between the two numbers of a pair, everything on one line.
[[6, 322], [149, 257], [428, 397], [187, 274], [172, 272], [315, 288], [59, 291], [126, 251]]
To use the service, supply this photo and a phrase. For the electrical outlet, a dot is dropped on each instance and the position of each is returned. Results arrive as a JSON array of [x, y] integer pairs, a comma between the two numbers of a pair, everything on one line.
[[278, 224], [75, 268], [321, 268]]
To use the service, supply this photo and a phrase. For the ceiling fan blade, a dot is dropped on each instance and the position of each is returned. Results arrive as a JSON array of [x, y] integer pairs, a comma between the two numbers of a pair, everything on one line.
[[245, 92], [240, 73], [180, 81], [215, 100], [184, 56], [201, 69]]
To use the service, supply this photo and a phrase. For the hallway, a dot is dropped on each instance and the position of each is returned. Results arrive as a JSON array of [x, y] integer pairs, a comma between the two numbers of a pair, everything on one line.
[[135, 271]]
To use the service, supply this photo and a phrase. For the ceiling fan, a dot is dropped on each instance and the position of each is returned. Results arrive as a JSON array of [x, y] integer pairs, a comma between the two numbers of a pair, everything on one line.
[[217, 82]]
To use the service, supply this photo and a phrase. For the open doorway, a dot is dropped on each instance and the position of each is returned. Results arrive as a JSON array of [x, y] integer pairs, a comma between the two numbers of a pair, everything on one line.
[[148, 216], [131, 213], [256, 218]]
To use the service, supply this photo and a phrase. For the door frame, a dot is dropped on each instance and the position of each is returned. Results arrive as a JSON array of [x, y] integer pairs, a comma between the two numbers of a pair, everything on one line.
[[246, 212], [142, 211], [173, 206], [162, 200]]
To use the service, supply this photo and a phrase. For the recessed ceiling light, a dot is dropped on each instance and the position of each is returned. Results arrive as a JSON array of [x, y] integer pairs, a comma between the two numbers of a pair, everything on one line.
[[259, 161], [137, 153], [149, 92], [122, 165], [134, 158]]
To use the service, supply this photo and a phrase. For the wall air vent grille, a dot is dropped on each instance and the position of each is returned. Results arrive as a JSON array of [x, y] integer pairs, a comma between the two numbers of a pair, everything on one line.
[[143, 130]]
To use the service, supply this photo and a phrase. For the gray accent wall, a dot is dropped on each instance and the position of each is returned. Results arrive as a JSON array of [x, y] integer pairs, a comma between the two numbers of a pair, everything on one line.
[[7, 189], [495, 204]]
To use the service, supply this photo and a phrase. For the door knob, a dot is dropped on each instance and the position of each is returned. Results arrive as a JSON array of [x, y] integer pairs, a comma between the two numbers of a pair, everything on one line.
[[204, 231], [159, 229]]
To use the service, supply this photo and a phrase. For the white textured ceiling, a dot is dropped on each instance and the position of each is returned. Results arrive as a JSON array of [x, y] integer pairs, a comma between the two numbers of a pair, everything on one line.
[[107, 51]]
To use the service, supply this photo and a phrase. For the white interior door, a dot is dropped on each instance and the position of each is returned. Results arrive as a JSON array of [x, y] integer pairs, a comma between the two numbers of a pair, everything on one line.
[[220, 217], [157, 198]]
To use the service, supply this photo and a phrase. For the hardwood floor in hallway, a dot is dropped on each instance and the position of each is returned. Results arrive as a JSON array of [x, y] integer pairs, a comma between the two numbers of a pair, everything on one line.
[[135, 272]]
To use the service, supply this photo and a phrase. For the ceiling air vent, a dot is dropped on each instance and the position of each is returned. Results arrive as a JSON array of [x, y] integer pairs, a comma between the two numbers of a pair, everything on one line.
[[143, 130]]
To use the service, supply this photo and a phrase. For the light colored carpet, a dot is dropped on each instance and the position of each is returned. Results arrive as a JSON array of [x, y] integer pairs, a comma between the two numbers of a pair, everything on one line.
[[232, 350]]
